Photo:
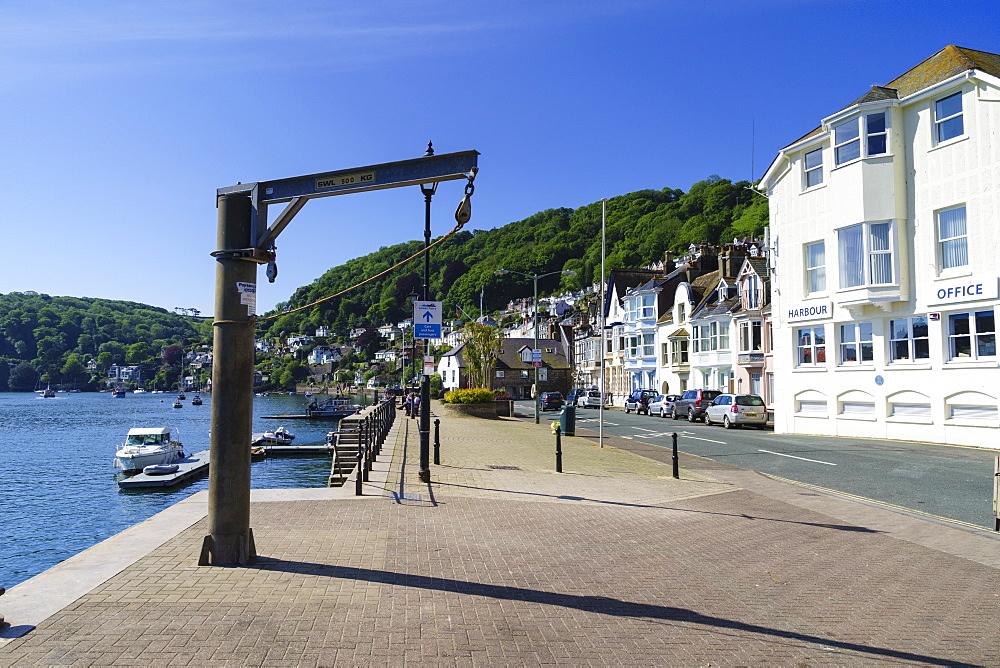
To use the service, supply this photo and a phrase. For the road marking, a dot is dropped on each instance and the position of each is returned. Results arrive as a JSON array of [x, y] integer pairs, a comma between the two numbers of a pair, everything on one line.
[[780, 454], [876, 502], [708, 440], [643, 429]]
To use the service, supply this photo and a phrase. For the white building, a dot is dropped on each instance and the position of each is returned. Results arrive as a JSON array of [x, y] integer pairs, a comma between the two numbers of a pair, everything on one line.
[[885, 237]]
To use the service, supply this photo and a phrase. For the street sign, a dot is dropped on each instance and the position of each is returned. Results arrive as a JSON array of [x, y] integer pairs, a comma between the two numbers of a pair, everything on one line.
[[536, 354], [536, 364], [427, 320]]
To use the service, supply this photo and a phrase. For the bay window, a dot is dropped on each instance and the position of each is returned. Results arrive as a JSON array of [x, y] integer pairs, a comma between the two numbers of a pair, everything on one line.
[[648, 345], [679, 352], [866, 254], [847, 137], [876, 135], [846, 142], [750, 336]]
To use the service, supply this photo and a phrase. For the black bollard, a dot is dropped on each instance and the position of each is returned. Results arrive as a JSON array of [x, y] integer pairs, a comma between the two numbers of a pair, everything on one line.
[[558, 449], [437, 441], [677, 472]]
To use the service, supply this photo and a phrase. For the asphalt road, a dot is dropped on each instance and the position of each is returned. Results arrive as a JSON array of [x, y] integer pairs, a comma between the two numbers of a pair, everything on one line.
[[950, 482]]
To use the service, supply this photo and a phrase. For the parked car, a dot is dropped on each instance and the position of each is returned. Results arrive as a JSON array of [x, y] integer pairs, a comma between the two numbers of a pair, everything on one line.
[[638, 400], [662, 404], [592, 400], [693, 404], [735, 410], [551, 401], [576, 396]]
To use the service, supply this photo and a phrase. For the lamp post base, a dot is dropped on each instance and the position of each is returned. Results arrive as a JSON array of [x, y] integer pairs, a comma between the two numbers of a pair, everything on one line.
[[424, 476]]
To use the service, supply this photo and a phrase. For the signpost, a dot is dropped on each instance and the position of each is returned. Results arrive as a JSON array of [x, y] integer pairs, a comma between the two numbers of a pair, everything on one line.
[[427, 320]]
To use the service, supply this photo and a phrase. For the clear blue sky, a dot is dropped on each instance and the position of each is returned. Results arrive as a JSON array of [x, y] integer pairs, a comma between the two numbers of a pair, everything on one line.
[[119, 120]]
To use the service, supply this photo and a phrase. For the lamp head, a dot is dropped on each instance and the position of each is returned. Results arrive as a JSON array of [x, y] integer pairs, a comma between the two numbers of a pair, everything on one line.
[[500, 272], [569, 272]]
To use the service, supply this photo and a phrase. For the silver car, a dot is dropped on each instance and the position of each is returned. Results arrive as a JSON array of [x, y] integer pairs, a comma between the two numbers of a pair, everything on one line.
[[662, 404], [592, 400], [735, 410]]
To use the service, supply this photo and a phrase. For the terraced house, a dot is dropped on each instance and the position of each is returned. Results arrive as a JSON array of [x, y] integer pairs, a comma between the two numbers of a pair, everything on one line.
[[884, 222]]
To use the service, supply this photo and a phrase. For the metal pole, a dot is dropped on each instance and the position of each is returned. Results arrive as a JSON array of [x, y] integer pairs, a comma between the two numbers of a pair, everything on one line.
[[538, 394], [437, 441], [677, 472], [230, 540], [604, 217], [424, 473], [558, 450]]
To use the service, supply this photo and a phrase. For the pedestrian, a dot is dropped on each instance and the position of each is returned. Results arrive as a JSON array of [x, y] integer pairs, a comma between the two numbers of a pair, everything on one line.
[[408, 403], [415, 410]]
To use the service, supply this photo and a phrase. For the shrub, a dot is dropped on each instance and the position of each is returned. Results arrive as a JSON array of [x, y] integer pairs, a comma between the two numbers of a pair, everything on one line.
[[478, 395]]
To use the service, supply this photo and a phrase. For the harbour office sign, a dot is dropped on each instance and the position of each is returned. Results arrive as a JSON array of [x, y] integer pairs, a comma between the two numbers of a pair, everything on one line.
[[967, 289], [814, 310]]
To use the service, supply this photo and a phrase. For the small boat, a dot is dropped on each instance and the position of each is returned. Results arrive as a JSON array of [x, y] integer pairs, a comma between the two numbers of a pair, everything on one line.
[[279, 436], [178, 404], [257, 453], [160, 469], [48, 393], [138, 390], [181, 397], [148, 446], [118, 393], [196, 400]]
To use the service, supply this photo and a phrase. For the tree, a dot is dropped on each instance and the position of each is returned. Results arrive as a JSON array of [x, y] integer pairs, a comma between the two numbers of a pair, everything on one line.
[[482, 347], [23, 378], [72, 369], [172, 355], [138, 353]]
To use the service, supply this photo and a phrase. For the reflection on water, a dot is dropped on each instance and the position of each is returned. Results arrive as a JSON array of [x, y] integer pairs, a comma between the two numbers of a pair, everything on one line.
[[58, 494]]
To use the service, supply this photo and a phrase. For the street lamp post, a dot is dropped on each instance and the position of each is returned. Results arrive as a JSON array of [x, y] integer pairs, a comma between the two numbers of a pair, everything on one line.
[[425, 385], [413, 340], [534, 278]]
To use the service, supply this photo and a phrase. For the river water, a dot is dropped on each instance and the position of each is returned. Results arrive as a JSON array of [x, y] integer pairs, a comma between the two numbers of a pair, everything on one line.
[[58, 491]]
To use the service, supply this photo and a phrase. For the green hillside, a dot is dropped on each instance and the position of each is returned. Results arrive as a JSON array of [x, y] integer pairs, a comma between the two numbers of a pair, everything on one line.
[[54, 336], [640, 227]]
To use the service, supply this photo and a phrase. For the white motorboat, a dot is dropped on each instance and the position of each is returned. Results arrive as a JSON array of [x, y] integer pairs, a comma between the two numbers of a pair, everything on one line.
[[279, 436], [148, 446]]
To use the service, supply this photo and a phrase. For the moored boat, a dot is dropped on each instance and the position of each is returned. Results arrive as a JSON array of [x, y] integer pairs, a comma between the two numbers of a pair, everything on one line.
[[279, 436], [148, 446], [196, 400], [331, 409]]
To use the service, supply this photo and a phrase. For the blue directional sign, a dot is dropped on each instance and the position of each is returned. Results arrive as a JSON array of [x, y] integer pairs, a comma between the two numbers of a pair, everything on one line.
[[427, 320]]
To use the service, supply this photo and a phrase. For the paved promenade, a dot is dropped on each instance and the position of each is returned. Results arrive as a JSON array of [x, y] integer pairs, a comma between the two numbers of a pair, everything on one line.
[[503, 561]]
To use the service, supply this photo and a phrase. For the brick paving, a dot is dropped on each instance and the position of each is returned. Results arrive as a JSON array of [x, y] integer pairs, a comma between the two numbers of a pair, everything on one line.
[[611, 563]]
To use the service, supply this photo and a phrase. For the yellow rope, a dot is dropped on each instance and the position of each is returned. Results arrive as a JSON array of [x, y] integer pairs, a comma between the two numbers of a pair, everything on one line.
[[367, 280]]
